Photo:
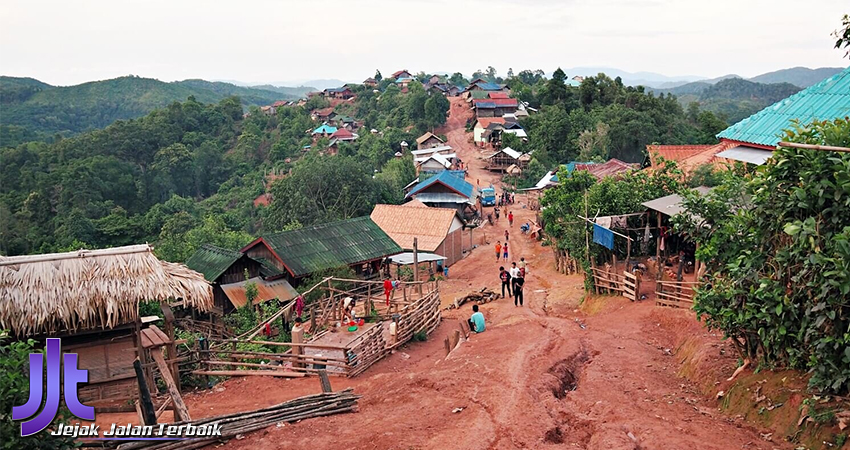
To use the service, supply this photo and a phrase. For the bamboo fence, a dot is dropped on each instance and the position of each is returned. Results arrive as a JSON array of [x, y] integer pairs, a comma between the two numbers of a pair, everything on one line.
[[415, 308]]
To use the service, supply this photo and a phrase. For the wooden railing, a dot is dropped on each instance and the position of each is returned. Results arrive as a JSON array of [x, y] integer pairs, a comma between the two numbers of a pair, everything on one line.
[[416, 311], [678, 294]]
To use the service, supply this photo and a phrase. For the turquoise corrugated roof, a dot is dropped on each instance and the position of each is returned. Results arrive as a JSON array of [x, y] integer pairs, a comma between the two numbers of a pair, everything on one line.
[[827, 100], [447, 178], [570, 168], [325, 129]]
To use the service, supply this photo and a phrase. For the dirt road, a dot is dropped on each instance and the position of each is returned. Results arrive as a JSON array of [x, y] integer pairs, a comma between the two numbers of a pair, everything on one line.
[[550, 374]]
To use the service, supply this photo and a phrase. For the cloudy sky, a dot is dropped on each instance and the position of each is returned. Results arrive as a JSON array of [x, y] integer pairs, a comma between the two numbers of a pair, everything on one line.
[[71, 41]]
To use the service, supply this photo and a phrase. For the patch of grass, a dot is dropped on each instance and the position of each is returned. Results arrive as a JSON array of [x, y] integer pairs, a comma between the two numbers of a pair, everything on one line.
[[420, 336]]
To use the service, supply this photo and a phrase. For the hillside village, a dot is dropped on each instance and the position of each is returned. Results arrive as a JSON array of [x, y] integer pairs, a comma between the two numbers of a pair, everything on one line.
[[606, 351]]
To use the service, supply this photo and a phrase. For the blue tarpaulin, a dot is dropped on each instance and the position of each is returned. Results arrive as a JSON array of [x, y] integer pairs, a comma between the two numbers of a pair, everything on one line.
[[603, 236]]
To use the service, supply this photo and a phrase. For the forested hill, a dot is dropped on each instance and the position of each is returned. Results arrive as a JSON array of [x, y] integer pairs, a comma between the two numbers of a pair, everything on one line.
[[734, 98], [798, 76], [31, 109]]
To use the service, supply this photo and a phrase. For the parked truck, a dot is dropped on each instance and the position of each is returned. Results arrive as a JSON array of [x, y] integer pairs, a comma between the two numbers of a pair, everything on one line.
[[488, 196]]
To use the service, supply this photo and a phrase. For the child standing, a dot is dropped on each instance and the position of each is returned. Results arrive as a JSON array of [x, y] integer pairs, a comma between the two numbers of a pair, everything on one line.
[[498, 250]]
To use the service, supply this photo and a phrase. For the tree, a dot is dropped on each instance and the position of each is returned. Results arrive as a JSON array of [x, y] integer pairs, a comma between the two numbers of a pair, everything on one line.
[[322, 190], [378, 76], [436, 110], [396, 174], [490, 75], [776, 247], [593, 143], [457, 79], [842, 36], [510, 72]]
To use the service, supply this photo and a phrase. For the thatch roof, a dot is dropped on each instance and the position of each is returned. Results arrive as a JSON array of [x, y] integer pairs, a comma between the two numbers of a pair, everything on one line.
[[86, 289]]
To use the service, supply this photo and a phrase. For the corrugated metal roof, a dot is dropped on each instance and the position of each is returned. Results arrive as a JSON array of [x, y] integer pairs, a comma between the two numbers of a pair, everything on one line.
[[441, 197], [757, 156], [671, 204], [212, 261], [428, 151], [325, 246], [829, 99], [446, 178], [266, 290], [325, 129]]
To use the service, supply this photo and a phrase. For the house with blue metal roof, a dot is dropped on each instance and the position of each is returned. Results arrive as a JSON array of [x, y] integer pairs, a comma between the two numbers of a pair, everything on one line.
[[447, 189], [325, 130], [753, 139]]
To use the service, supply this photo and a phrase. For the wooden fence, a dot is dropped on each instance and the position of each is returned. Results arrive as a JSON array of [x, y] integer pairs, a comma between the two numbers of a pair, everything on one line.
[[415, 308], [678, 294], [607, 281]]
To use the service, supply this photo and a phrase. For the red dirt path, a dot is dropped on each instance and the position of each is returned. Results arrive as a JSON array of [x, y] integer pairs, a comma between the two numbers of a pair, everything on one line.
[[546, 375]]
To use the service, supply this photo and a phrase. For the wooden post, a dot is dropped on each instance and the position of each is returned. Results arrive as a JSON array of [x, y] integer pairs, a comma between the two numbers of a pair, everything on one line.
[[658, 248], [172, 347], [368, 305], [313, 319], [148, 413], [416, 264], [586, 233], [628, 252], [180, 409], [298, 338], [325, 381]]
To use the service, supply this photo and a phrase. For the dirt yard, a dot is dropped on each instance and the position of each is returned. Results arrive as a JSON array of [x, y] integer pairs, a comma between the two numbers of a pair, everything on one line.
[[551, 374]]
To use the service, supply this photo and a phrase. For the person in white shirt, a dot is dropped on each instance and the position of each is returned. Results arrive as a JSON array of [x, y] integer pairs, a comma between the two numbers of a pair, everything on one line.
[[514, 271]]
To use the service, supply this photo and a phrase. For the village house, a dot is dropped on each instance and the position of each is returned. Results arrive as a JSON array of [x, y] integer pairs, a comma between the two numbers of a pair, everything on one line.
[[90, 299], [437, 230], [449, 190], [401, 74], [340, 135], [323, 115], [479, 86], [502, 159], [371, 82], [324, 130], [435, 162], [429, 140], [404, 82], [494, 107], [353, 243], [343, 93], [481, 124], [226, 271]]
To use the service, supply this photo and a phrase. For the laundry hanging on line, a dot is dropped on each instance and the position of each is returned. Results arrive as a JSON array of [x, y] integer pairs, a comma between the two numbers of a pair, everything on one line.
[[613, 221], [603, 236]]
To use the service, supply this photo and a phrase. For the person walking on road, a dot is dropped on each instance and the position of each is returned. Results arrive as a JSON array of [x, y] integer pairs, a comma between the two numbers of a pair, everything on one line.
[[507, 235], [506, 281], [498, 250], [510, 218], [518, 285], [505, 250], [514, 271]]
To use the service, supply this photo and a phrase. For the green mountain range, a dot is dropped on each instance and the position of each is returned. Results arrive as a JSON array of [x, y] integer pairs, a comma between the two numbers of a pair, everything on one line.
[[735, 98], [31, 109]]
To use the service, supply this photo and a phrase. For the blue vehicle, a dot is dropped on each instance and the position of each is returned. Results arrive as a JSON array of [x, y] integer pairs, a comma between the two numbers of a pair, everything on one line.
[[488, 196]]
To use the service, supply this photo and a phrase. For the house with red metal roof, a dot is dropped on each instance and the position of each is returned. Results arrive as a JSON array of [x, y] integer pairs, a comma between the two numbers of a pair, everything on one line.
[[401, 74]]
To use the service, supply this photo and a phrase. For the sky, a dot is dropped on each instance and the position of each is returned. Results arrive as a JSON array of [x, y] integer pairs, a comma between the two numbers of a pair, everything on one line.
[[64, 42]]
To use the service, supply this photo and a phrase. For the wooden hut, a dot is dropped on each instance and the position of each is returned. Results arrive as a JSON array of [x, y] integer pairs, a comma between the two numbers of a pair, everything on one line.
[[90, 298]]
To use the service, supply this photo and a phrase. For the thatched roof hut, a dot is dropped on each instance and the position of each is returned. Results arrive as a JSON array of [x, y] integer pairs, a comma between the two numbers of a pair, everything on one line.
[[87, 289]]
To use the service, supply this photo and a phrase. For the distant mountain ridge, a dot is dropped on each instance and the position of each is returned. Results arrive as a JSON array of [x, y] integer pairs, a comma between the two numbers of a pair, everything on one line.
[[735, 98], [31, 108]]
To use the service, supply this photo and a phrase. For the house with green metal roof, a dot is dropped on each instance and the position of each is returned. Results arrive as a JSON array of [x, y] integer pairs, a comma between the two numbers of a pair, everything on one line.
[[753, 139], [325, 130], [226, 270], [358, 243]]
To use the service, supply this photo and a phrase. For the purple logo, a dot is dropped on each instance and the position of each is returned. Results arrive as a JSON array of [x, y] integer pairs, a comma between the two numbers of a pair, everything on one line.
[[72, 377]]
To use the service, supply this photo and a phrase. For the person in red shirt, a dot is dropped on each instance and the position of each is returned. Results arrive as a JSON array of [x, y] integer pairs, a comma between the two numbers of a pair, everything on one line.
[[511, 218], [388, 289]]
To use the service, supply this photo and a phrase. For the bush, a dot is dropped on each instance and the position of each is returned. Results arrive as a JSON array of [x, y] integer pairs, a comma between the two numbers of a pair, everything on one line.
[[777, 250]]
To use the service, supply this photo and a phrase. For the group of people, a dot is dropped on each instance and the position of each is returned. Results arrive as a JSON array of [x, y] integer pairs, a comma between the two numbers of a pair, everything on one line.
[[510, 216], [506, 199], [513, 280]]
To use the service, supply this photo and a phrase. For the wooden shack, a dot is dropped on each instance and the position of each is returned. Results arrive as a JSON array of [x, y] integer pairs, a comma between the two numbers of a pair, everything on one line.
[[90, 299]]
